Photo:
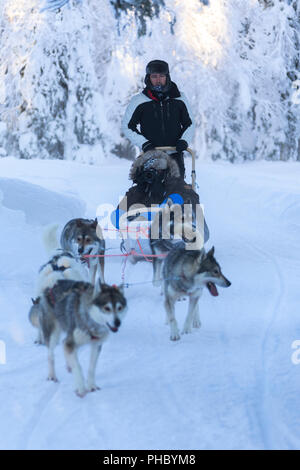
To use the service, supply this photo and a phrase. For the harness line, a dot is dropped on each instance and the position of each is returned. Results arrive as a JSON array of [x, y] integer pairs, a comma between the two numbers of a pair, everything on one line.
[[126, 255]]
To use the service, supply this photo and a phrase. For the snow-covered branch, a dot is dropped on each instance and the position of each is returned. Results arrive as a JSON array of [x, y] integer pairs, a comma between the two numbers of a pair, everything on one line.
[[69, 68]]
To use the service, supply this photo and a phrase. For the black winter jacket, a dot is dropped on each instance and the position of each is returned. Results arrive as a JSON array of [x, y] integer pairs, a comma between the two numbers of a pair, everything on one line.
[[161, 121]]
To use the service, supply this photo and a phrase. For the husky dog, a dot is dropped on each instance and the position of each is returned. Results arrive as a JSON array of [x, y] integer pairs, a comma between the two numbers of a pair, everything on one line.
[[61, 266], [187, 272], [84, 238], [86, 317], [161, 241], [171, 224]]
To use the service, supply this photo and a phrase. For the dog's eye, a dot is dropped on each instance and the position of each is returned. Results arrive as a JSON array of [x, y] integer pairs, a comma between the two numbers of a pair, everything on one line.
[[119, 308], [107, 308], [79, 238], [87, 239], [216, 271]]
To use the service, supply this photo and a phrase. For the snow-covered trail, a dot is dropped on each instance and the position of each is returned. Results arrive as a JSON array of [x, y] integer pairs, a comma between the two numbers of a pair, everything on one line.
[[231, 384]]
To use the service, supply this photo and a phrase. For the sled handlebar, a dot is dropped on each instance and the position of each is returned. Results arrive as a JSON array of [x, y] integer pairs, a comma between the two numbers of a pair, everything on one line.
[[192, 153]]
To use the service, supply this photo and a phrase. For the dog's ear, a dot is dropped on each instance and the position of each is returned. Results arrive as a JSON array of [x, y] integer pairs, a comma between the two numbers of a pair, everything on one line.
[[211, 252], [121, 288], [35, 301], [103, 286], [200, 257], [95, 223], [100, 285]]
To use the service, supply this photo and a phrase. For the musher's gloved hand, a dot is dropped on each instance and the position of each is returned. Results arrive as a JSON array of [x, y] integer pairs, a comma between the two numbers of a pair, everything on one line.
[[148, 146], [181, 145]]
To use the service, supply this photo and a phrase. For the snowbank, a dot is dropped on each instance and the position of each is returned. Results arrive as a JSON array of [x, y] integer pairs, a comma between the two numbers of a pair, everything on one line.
[[40, 206]]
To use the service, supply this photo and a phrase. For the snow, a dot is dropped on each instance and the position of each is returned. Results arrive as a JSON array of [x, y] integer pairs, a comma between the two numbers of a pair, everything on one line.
[[66, 77], [230, 385], [40, 206]]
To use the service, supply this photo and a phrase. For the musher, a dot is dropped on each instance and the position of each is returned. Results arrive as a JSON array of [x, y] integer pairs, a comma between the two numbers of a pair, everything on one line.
[[159, 116], [162, 113]]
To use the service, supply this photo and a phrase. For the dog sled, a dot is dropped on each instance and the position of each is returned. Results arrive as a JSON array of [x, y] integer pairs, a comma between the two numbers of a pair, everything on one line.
[[144, 201]]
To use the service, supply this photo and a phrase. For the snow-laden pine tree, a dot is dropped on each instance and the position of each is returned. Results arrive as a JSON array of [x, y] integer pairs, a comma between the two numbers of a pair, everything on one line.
[[263, 120], [67, 74], [237, 60], [51, 102]]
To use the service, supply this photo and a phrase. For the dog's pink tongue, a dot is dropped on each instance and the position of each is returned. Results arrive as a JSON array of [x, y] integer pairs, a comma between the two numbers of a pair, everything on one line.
[[212, 289], [112, 328]]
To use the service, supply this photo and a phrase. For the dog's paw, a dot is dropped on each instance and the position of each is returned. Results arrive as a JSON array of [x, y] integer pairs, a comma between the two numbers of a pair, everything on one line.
[[93, 388], [197, 324], [175, 337], [81, 392], [69, 368], [52, 378], [187, 330], [156, 283]]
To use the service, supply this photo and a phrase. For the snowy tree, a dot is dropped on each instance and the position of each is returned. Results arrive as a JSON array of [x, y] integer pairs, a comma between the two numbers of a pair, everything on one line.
[[241, 63], [140, 10], [69, 67], [57, 110], [267, 44]]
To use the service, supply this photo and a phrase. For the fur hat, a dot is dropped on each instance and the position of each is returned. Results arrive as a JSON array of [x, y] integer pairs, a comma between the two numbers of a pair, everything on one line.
[[157, 66], [157, 160]]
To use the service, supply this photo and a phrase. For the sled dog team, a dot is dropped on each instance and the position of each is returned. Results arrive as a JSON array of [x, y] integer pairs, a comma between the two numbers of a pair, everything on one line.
[[88, 311]]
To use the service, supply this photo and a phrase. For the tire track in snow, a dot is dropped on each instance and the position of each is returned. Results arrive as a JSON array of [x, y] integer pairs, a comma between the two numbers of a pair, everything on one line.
[[265, 423], [40, 408], [168, 395], [162, 388]]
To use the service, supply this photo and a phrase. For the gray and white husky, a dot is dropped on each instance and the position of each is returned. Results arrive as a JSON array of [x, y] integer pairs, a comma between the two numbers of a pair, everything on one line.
[[160, 240], [86, 317], [186, 273], [172, 223], [83, 238], [62, 265]]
